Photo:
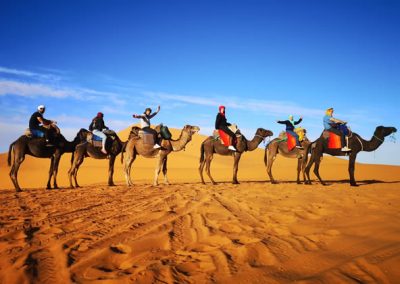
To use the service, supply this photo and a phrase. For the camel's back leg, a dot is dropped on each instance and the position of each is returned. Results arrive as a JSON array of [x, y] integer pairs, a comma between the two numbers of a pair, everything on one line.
[[19, 157], [202, 162], [209, 158], [309, 165], [56, 163], [299, 163], [270, 155], [79, 156]]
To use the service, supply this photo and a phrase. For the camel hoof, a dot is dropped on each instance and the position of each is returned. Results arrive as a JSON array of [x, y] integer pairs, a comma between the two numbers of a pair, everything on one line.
[[214, 183], [18, 190], [353, 184], [235, 182]]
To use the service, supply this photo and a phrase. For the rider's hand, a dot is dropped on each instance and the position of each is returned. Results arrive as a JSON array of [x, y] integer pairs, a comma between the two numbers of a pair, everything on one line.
[[158, 108]]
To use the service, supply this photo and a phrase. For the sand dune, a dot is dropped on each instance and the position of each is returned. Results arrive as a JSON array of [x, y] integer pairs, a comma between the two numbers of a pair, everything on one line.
[[188, 232]]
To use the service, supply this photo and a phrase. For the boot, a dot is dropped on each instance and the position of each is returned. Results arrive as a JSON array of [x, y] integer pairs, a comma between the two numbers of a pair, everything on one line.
[[231, 147], [346, 148]]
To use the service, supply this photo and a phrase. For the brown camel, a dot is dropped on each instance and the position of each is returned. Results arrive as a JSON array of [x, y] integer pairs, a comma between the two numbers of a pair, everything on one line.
[[277, 146], [37, 147], [113, 145], [135, 146], [211, 146], [356, 144]]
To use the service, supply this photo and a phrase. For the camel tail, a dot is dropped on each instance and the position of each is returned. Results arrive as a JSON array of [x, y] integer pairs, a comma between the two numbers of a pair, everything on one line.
[[202, 153], [10, 150]]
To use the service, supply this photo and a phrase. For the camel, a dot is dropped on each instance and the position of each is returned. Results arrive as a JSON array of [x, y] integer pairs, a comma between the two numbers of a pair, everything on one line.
[[135, 146], [211, 146], [277, 146], [356, 144], [37, 147], [86, 149]]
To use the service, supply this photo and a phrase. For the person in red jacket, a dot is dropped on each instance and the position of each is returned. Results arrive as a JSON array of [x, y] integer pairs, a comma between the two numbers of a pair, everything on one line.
[[222, 124]]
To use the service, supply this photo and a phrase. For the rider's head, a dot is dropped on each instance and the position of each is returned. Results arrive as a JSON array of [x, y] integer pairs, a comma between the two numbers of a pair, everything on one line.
[[329, 111], [147, 111], [41, 108], [290, 117], [100, 115], [222, 109]]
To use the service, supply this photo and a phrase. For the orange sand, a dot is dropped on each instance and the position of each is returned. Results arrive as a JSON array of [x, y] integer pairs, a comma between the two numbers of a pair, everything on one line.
[[187, 232]]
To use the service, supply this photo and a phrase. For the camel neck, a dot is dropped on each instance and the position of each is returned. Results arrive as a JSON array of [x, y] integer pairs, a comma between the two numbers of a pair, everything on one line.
[[372, 144], [253, 144], [178, 145]]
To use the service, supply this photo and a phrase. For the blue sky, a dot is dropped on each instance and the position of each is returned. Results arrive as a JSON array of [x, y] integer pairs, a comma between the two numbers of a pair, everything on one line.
[[264, 60]]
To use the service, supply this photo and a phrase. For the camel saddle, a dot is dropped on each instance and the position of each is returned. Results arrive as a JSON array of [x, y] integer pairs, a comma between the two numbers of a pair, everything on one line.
[[219, 134], [96, 141], [334, 141]]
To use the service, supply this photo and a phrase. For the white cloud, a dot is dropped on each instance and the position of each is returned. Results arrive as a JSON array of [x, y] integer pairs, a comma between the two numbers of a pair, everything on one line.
[[29, 74]]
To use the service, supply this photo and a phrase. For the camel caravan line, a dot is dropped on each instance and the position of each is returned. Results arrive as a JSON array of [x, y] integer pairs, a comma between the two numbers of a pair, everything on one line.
[[101, 143]]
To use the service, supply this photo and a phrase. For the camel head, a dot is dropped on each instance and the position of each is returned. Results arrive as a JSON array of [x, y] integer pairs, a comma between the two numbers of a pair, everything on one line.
[[382, 131], [264, 132], [191, 129]]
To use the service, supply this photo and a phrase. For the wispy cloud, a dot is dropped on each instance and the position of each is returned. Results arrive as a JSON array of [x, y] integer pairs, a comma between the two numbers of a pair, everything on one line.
[[272, 108], [29, 74]]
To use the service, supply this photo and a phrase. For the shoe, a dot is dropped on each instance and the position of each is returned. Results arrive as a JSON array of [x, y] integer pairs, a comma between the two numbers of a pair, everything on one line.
[[156, 146], [346, 149], [299, 147], [232, 148], [104, 151]]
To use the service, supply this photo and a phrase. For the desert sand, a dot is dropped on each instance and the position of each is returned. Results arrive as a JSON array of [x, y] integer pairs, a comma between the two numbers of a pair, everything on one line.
[[187, 232]]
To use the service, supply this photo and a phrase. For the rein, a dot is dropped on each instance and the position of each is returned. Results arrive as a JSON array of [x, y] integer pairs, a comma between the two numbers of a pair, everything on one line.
[[382, 140]]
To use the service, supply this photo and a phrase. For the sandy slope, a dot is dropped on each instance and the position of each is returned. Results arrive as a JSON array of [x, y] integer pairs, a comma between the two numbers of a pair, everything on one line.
[[187, 232]]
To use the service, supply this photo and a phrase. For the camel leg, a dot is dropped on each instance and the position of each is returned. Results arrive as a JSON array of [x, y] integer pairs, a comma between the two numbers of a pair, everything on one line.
[[14, 170], [56, 162], [303, 167], [208, 170], [236, 167], [298, 170], [73, 172], [316, 168], [201, 168], [50, 172], [270, 162], [165, 170], [352, 165], [127, 168], [111, 170], [308, 167], [157, 171]]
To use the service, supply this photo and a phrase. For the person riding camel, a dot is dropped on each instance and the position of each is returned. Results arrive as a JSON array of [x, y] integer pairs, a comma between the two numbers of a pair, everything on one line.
[[338, 127], [97, 127], [290, 123], [222, 124], [145, 124], [39, 126]]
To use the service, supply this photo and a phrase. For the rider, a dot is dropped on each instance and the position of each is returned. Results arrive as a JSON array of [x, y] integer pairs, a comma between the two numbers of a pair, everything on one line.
[[97, 127], [290, 123], [338, 127], [145, 124], [39, 126], [222, 124]]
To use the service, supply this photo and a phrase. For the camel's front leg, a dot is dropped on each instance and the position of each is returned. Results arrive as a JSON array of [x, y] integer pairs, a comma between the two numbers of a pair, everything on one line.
[[236, 167], [165, 170], [51, 171], [111, 170], [159, 164], [352, 165], [56, 162]]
